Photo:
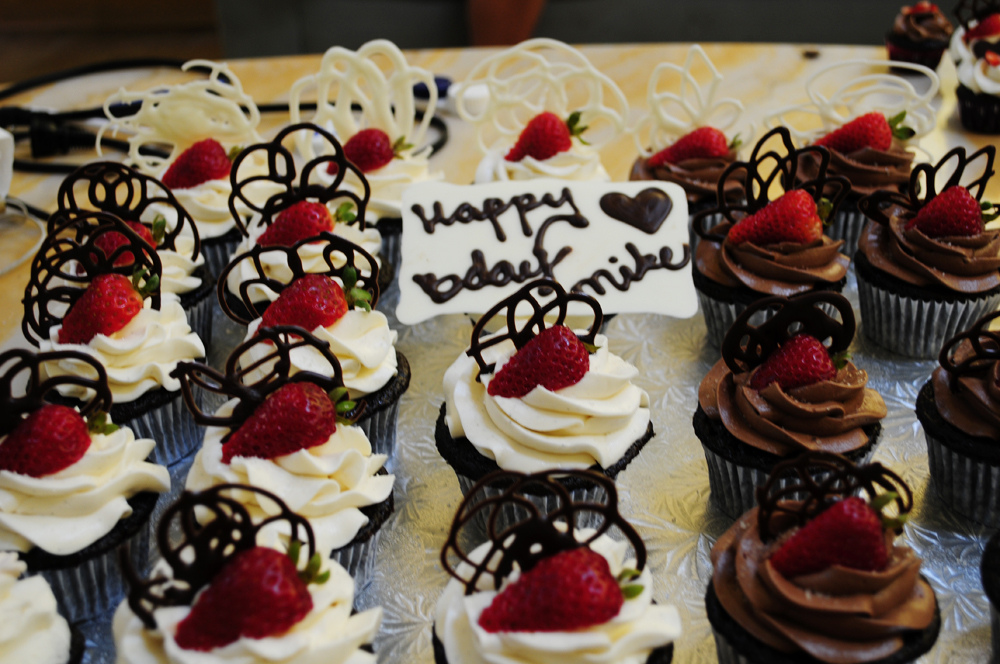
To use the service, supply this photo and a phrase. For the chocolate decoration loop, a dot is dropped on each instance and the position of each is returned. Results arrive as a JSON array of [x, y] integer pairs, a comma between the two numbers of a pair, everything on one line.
[[922, 189], [766, 167], [747, 346], [214, 529], [63, 269], [281, 170], [335, 246], [536, 535], [284, 339], [535, 324], [984, 344], [14, 363], [825, 478], [967, 11], [117, 189]]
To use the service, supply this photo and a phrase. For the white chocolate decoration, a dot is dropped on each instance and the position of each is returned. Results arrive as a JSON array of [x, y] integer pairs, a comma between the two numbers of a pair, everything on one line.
[[532, 77], [674, 114], [859, 87], [181, 115]]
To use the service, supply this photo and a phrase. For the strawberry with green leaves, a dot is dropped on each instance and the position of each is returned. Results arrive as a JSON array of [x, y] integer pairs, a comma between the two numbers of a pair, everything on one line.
[[792, 217], [702, 143], [801, 360], [109, 304], [109, 242], [554, 359], [955, 213], [570, 590], [545, 136], [871, 130], [302, 220], [49, 440], [205, 160], [371, 149], [316, 300]]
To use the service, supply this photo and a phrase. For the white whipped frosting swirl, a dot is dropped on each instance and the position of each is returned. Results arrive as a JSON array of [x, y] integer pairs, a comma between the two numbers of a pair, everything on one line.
[[328, 634], [979, 76], [326, 483], [67, 511], [592, 422], [139, 357], [578, 163], [388, 183], [31, 630], [276, 267], [361, 340], [179, 267], [639, 628], [960, 50]]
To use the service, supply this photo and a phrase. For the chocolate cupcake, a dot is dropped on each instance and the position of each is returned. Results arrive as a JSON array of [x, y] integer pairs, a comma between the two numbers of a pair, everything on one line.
[[290, 433], [598, 600], [728, 275], [959, 409], [751, 415], [975, 48], [856, 597], [989, 570], [919, 283], [920, 34]]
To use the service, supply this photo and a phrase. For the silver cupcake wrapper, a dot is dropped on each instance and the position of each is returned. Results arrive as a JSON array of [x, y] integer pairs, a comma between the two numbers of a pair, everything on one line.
[[720, 316], [392, 249], [916, 328], [509, 515], [95, 586], [726, 652], [178, 478], [846, 225], [200, 319], [966, 485], [217, 253], [381, 429], [711, 221], [358, 558], [734, 487], [172, 427]]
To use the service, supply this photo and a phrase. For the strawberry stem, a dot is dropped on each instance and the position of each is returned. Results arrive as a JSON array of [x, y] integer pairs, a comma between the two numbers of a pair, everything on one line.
[[311, 573], [342, 405], [573, 123], [899, 130], [356, 297], [152, 282], [880, 502], [736, 142], [234, 152], [159, 229], [840, 359], [400, 146], [632, 591], [345, 213], [98, 423], [989, 216], [823, 209]]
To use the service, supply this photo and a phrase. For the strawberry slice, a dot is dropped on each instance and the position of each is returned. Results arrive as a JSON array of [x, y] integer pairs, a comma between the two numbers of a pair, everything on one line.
[[953, 212], [109, 304], [554, 359], [295, 223], [702, 143], [802, 360], [792, 217], [545, 136], [870, 130], [567, 591], [46, 441], [205, 160]]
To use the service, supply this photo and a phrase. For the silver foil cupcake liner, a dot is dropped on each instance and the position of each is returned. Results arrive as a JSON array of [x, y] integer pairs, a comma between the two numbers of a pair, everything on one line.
[[200, 319], [726, 652], [392, 249], [720, 316], [95, 586], [358, 558], [381, 429], [218, 251], [509, 515], [968, 486], [172, 427], [916, 328], [846, 225], [734, 487], [178, 477]]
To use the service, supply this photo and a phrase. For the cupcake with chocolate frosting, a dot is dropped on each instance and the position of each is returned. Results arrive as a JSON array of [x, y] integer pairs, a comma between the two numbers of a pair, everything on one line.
[[920, 33], [775, 394], [927, 267], [746, 256], [959, 408], [822, 579], [544, 588]]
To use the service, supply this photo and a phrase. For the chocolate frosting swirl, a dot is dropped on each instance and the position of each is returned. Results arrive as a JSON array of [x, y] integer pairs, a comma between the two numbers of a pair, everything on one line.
[[869, 170], [922, 26], [698, 177], [967, 384]]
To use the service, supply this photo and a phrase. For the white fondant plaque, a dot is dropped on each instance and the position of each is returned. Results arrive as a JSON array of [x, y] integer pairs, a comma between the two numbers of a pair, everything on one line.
[[466, 247]]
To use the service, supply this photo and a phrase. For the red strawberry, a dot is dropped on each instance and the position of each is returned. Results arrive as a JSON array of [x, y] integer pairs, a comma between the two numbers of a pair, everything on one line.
[[205, 160], [870, 130], [802, 360], [109, 242], [46, 441], [571, 590], [546, 135], [992, 58], [294, 417], [301, 220], [792, 217], [702, 143], [987, 27], [922, 7], [108, 304], [952, 212], [370, 149], [554, 359], [311, 301], [257, 593], [849, 534]]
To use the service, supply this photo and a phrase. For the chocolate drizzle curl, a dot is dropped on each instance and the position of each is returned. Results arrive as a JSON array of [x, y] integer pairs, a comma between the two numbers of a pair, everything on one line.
[[747, 346], [280, 340], [521, 332], [767, 167], [336, 249], [536, 535], [923, 183], [14, 363], [117, 189], [63, 269], [214, 527], [824, 478], [984, 344], [281, 171]]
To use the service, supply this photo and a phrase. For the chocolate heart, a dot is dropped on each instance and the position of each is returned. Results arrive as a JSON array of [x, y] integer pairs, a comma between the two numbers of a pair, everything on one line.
[[647, 211]]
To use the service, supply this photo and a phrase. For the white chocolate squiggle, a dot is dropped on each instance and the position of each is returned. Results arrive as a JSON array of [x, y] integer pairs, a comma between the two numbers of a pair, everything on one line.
[[31, 630], [979, 76], [139, 357], [326, 484], [67, 511], [328, 634], [592, 422], [628, 638]]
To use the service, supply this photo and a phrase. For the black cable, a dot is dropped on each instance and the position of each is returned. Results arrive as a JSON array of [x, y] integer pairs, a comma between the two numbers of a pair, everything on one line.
[[83, 70]]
